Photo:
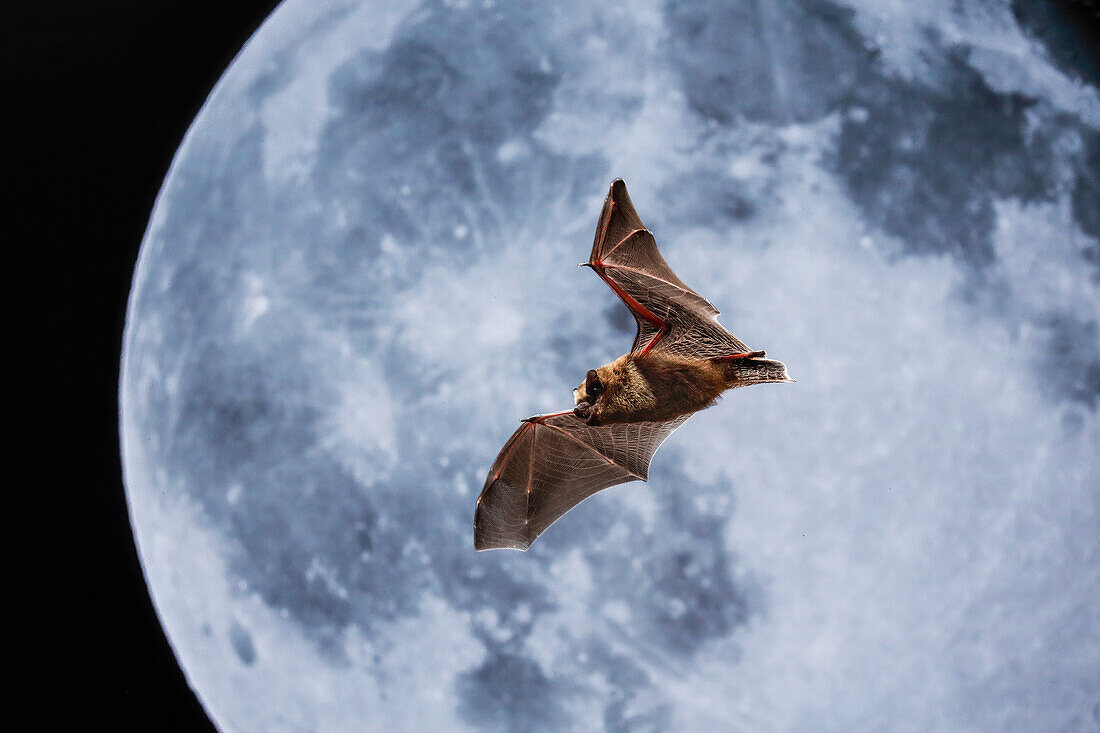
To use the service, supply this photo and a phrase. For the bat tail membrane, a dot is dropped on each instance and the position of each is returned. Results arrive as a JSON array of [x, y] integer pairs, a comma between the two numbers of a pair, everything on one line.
[[743, 372]]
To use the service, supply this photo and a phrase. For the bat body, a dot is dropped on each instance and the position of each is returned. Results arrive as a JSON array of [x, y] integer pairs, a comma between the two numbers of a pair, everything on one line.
[[680, 363], [657, 387]]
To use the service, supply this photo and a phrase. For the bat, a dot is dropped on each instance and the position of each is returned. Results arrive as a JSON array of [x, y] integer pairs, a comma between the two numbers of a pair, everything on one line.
[[682, 359]]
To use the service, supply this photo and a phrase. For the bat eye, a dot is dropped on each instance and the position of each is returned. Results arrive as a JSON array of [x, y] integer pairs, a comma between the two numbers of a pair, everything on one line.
[[593, 385]]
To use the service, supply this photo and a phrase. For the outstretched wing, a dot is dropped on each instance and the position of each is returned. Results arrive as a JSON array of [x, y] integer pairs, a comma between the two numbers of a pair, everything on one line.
[[671, 317], [551, 464]]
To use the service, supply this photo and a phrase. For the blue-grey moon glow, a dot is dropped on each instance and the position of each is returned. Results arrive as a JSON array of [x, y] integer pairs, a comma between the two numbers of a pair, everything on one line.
[[360, 274]]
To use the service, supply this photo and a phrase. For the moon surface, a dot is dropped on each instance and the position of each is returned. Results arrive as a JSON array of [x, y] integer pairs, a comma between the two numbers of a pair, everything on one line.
[[361, 273]]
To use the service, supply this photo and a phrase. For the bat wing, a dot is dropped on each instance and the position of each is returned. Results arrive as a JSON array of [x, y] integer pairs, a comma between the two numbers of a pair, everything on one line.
[[551, 464], [671, 317]]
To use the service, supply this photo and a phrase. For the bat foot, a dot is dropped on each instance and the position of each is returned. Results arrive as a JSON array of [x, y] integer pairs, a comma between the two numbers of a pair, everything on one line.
[[744, 355]]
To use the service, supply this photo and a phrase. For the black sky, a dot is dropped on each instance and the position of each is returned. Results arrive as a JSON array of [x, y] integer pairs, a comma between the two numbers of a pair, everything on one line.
[[106, 90]]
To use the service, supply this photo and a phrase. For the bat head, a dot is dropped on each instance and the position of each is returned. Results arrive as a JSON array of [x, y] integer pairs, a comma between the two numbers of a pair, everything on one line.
[[590, 389]]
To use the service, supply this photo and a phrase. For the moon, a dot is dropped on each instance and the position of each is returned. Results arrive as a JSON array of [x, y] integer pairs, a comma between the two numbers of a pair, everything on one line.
[[360, 273]]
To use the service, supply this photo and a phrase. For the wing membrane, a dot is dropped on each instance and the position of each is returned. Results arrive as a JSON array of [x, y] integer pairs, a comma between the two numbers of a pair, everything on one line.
[[551, 464], [671, 317]]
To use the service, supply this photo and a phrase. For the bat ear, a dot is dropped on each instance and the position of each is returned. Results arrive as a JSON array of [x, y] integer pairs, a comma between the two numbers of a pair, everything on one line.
[[593, 385]]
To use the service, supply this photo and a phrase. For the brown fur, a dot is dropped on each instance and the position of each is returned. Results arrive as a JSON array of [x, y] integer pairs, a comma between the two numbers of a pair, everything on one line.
[[662, 387]]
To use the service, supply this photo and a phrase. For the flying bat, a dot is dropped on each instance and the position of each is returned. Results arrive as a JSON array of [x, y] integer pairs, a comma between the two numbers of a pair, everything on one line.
[[680, 363]]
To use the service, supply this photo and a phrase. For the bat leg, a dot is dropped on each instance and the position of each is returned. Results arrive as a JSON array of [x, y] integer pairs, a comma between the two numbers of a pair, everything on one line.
[[744, 355]]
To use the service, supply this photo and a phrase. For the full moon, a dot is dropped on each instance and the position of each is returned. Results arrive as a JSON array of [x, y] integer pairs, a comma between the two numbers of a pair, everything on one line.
[[360, 274]]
